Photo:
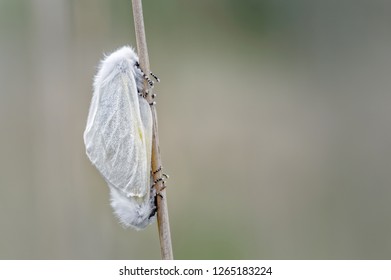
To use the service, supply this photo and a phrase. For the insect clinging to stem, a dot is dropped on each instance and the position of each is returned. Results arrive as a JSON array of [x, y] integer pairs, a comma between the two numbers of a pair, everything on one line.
[[118, 137]]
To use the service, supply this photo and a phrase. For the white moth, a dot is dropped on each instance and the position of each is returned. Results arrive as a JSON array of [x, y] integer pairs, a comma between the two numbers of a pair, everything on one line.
[[118, 137]]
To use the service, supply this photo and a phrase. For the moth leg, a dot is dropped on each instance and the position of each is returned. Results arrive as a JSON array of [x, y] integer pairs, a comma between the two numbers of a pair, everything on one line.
[[152, 96], [160, 169], [157, 80], [155, 208], [156, 77], [150, 82], [153, 213], [161, 179], [157, 170], [146, 94], [157, 193]]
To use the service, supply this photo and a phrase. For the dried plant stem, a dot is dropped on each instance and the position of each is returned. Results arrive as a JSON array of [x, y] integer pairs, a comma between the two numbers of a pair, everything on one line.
[[162, 213]]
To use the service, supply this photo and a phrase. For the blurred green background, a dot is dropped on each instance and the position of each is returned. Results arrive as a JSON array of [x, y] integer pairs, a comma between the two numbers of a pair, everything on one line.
[[274, 121]]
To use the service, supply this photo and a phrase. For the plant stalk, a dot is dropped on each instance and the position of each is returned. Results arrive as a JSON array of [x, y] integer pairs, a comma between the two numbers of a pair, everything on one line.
[[162, 211]]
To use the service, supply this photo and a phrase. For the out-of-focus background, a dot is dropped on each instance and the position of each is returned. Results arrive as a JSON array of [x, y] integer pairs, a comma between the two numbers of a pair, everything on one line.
[[274, 121]]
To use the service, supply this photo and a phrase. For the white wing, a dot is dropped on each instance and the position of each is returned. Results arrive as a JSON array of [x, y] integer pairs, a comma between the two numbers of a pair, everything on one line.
[[146, 118], [118, 136]]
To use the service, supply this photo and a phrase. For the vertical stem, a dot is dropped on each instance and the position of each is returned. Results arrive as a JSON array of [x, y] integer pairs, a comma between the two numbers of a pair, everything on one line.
[[162, 213]]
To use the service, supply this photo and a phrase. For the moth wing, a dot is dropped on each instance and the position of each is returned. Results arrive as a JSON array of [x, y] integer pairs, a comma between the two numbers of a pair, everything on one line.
[[115, 136], [146, 118]]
